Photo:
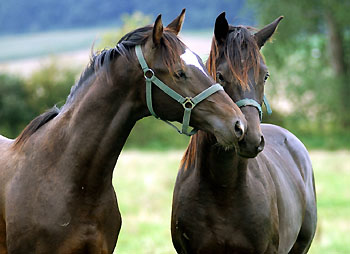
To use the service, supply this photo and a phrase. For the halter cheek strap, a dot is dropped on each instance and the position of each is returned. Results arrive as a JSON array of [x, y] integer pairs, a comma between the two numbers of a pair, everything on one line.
[[254, 103], [187, 102]]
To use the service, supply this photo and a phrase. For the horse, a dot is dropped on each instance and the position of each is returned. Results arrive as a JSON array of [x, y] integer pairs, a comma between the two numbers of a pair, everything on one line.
[[56, 193], [259, 198]]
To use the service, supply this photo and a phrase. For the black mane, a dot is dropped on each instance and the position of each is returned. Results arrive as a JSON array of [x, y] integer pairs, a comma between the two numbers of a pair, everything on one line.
[[100, 63]]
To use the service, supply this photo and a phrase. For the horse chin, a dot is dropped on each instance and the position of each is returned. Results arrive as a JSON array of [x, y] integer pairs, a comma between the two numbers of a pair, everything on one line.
[[248, 153], [224, 143]]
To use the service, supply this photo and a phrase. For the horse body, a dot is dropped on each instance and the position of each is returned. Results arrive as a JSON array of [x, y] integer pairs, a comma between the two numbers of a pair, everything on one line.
[[237, 205], [259, 196], [70, 195], [56, 177]]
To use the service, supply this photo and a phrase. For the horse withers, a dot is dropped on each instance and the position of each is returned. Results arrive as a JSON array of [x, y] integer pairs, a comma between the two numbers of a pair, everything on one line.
[[56, 193], [259, 197]]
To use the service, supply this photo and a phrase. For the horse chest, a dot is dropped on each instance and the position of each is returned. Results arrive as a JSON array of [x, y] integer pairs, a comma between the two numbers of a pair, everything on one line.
[[237, 228]]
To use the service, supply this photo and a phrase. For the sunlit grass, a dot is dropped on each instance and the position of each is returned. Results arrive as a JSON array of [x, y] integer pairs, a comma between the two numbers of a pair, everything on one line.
[[332, 172], [144, 183]]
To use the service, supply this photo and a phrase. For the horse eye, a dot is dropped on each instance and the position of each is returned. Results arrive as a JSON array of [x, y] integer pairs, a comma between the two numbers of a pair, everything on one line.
[[181, 74], [219, 77], [266, 76]]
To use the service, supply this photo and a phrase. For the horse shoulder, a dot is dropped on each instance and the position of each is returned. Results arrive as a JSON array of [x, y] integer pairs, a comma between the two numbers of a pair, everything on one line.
[[290, 146], [5, 155]]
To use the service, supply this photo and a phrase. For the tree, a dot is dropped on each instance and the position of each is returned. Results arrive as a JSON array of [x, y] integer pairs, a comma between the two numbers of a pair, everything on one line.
[[316, 32]]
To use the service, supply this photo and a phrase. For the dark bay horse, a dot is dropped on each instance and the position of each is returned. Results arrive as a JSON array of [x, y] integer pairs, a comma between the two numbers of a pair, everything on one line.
[[56, 193], [259, 198]]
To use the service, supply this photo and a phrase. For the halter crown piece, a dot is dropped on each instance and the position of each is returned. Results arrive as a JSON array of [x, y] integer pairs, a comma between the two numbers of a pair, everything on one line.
[[187, 102]]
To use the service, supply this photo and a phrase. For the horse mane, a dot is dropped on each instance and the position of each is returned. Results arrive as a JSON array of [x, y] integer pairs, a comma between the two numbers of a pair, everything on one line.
[[189, 159], [240, 51], [34, 125], [170, 45]]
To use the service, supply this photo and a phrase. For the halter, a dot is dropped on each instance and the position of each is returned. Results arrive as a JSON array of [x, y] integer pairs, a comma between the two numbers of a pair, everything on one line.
[[254, 103], [187, 102]]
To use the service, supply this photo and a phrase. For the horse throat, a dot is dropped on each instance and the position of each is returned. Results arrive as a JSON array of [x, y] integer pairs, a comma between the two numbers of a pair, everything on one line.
[[222, 167]]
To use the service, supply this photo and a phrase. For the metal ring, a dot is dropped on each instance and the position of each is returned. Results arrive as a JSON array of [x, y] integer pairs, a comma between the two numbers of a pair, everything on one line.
[[188, 101], [148, 71]]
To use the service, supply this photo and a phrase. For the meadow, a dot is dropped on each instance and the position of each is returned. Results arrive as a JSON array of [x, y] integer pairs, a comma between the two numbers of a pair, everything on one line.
[[144, 180], [144, 183]]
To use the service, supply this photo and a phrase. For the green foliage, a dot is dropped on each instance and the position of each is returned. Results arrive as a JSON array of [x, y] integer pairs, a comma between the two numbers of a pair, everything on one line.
[[49, 86], [303, 66], [150, 133], [130, 22], [14, 110], [23, 99]]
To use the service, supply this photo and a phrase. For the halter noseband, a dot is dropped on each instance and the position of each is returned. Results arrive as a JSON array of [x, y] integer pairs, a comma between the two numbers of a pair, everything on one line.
[[254, 103], [187, 102]]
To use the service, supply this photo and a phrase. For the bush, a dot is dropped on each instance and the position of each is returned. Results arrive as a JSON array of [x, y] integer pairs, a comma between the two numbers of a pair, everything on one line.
[[14, 110], [49, 86], [23, 99]]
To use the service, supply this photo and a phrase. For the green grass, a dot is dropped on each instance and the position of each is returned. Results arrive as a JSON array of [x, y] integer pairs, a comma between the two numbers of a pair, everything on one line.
[[144, 183]]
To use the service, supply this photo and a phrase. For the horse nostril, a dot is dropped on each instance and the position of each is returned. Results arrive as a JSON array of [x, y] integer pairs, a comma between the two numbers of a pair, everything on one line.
[[261, 145], [239, 130]]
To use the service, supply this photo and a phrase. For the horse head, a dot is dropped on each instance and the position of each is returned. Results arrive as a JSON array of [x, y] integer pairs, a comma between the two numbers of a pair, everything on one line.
[[178, 86], [237, 64]]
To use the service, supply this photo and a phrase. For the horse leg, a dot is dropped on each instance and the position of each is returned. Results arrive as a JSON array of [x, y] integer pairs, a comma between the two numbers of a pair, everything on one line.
[[307, 231], [3, 248]]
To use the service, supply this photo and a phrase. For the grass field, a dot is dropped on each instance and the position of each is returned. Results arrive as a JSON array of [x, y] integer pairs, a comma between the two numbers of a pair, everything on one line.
[[144, 182]]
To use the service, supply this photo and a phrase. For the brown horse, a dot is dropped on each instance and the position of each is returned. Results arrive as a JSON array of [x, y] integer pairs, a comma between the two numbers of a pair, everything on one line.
[[240, 200], [56, 193]]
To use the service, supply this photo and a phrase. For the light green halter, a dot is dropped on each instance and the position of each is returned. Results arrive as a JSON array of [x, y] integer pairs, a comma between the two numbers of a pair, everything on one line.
[[187, 102], [254, 103]]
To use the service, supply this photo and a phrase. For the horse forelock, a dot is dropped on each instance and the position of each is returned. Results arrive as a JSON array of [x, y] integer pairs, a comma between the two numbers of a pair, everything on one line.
[[170, 45], [240, 51]]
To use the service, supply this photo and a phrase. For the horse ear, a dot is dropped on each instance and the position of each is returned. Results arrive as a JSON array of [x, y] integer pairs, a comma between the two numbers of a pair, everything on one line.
[[157, 30], [221, 28], [176, 24], [265, 33]]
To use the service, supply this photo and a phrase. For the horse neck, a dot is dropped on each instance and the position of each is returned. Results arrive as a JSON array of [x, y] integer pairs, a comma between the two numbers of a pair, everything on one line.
[[217, 165], [97, 123]]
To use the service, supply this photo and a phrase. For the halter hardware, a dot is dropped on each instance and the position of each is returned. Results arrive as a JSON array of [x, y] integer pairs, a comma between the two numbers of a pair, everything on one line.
[[188, 103]]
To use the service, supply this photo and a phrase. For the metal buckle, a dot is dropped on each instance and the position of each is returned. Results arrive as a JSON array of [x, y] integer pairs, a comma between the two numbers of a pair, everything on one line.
[[188, 100]]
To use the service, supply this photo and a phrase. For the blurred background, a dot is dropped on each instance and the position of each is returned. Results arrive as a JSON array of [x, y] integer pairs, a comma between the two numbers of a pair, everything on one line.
[[45, 45]]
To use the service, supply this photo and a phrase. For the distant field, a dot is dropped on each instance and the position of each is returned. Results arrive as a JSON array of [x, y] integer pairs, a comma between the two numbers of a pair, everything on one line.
[[144, 183], [47, 43], [23, 54], [23, 46]]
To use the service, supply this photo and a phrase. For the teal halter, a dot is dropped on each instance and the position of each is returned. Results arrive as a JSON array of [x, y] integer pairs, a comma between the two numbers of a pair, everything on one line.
[[254, 103], [187, 102]]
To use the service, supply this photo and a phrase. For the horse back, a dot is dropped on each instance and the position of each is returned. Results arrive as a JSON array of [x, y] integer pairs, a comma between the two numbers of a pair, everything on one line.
[[5, 159]]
